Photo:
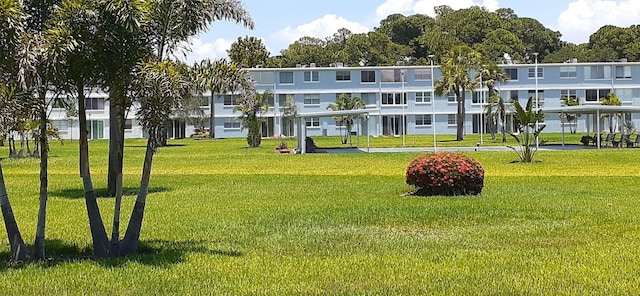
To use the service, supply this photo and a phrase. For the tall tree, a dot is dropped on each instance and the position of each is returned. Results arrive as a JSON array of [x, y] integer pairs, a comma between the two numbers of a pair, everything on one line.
[[218, 77], [248, 52], [166, 24], [160, 88], [347, 102], [459, 62], [253, 105]]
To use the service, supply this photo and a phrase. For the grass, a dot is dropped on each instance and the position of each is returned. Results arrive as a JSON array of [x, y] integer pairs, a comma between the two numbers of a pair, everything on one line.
[[223, 219]]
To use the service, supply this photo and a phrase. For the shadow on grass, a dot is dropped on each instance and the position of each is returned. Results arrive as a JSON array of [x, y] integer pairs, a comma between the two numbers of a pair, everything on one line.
[[78, 193], [158, 253], [165, 146]]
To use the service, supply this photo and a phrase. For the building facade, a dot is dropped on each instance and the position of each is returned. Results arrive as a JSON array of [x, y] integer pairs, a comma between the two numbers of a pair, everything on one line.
[[403, 97]]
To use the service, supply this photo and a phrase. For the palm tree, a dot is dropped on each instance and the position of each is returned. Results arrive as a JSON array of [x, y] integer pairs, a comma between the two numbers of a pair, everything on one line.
[[218, 77], [459, 61], [160, 87], [346, 102], [611, 100], [528, 130], [253, 105], [570, 117], [496, 111]]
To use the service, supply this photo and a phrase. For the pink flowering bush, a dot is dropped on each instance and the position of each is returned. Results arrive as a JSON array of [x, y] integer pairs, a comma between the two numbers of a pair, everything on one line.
[[445, 173]]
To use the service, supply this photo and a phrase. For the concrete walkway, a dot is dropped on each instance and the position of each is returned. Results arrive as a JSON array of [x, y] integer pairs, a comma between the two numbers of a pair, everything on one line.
[[459, 149]]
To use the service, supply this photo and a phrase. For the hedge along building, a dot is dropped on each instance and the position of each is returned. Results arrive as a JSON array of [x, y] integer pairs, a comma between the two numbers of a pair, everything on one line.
[[403, 97]]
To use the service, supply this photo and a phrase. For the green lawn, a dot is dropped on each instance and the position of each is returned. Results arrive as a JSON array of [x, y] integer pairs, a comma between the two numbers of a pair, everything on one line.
[[223, 219]]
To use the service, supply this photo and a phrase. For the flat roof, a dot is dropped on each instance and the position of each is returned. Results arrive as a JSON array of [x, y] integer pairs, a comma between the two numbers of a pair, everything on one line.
[[592, 109]]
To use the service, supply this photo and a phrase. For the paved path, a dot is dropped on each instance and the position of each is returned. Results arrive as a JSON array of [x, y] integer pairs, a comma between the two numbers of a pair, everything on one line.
[[462, 149]]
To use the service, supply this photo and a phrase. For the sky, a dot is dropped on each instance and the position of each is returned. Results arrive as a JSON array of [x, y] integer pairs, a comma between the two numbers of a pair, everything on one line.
[[282, 22]]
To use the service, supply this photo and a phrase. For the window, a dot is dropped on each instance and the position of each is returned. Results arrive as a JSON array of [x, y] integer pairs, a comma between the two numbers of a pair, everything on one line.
[[312, 99], [286, 77], [423, 97], [452, 119], [532, 94], [594, 95], [623, 72], [343, 75], [451, 98], [231, 123], [480, 97], [393, 99], [568, 93], [568, 72], [312, 122], [204, 101], [96, 129], [395, 75], [423, 120], [367, 76], [265, 77], [513, 95], [597, 72], [624, 93], [368, 98], [282, 99], [423, 74], [61, 125], [512, 73], [230, 100], [94, 103], [128, 124], [532, 72], [311, 76]]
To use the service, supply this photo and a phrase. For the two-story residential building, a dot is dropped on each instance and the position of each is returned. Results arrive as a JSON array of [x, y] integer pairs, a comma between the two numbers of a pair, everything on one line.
[[403, 97]]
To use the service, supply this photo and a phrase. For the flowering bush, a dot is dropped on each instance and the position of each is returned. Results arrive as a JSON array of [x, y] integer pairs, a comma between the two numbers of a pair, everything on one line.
[[445, 173]]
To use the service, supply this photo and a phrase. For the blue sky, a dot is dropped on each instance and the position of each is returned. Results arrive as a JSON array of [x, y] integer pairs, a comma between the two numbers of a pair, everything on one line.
[[281, 22]]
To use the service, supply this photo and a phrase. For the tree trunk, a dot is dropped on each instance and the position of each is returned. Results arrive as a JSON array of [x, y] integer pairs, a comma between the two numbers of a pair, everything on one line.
[[38, 245], [101, 246], [129, 245], [18, 248], [212, 119], [21, 152], [116, 139], [460, 116]]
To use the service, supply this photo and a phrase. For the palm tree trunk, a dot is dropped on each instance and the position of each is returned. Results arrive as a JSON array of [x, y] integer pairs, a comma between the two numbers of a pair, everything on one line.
[[129, 245], [101, 246], [212, 119], [461, 116], [16, 243], [38, 246], [116, 139]]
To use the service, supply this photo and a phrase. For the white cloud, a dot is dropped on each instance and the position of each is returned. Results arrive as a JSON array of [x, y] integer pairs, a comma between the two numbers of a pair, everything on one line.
[[426, 6], [390, 7], [319, 28], [584, 17], [206, 50]]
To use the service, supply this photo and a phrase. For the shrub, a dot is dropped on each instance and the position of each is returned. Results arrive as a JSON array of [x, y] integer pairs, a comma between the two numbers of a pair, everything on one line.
[[445, 173]]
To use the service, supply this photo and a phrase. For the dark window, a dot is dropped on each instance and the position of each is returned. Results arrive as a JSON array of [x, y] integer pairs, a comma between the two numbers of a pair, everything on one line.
[[343, 75], [368, 76]]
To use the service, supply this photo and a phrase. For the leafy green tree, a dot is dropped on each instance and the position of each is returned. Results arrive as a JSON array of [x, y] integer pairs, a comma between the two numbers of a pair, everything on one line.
[[160, 88], [305, 51], [347, 102], [248, 52], [581, 53], [528, 130], [469, 25], [611, 100], [459, 61], [496, 111], [434, 42], [374, 48], [616, 42], [490, 75], [535, 37], [253, 105], [570, 117], [499, 42], [218, 77]]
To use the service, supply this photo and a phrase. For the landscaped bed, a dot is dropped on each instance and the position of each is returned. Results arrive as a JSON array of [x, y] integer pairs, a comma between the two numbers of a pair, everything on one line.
[[223, 219]]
